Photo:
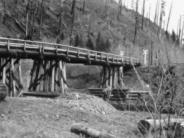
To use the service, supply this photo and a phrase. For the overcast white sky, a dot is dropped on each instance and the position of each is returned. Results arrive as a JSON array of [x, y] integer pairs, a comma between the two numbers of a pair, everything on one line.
[[178, 10]]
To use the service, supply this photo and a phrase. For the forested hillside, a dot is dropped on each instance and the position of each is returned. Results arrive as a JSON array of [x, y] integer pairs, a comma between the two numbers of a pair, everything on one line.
[[94, 24]]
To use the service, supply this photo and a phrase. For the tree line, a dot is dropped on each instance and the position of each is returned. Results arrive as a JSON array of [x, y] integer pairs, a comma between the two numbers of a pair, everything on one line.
[[99, 44]]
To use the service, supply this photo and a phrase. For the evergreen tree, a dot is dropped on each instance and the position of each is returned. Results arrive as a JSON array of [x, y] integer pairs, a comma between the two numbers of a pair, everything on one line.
[[62, 36], [107, 45], [173, 36], [84, 6], [167, 34], [81, 41], [136, 21], [100, 43], [120, 6], [77, 40], [89, 43]]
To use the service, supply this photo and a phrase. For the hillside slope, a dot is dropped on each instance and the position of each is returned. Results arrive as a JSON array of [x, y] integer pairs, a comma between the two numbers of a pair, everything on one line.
[[46, 118]]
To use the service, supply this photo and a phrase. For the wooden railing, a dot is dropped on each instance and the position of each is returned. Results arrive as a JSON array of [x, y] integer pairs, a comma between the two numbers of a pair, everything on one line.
[[34, 49]]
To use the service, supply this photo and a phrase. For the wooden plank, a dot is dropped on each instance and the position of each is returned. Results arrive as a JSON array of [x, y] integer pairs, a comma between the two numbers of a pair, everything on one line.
[[110, 77], [32, 75], [56, 78], [113, 77], [61, 77], [107, 77], [53, 78], [103, 77], [20, 74], [64, 75], [44, 66], [12, 80], [4, 75], [37, 73]]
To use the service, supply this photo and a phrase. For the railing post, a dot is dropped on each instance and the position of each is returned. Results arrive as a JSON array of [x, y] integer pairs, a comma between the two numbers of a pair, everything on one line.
[[122, 53], [145, 57], [8, 45]]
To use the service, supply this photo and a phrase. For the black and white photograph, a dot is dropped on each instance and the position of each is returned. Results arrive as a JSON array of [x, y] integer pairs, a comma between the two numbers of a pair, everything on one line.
[[91, 68]]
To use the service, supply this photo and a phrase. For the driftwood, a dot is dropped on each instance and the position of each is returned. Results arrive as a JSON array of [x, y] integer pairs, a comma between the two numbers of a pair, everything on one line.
[[41, 94], [90, 132], [175, 125]]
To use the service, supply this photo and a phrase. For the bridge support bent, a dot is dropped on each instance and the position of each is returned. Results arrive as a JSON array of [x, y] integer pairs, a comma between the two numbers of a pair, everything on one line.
[[112, 76], [48, 76], [11, 75]]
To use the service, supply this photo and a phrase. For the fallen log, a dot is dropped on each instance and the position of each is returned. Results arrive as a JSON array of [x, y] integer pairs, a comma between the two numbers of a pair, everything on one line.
[[175, 125], [90, 132], [41, 94]]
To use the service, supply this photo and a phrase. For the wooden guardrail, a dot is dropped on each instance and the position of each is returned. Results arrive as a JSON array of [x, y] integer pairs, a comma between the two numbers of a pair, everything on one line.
[[35, 49]]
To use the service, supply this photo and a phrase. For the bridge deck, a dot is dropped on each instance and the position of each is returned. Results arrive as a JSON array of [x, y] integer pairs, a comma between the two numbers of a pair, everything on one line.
[[18, 48]]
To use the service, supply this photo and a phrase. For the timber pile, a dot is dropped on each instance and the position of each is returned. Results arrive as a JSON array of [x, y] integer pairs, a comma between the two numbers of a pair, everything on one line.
[[119, 94], [116, 94], [135, 95], [3, 91], [175, 127], [89, 132]]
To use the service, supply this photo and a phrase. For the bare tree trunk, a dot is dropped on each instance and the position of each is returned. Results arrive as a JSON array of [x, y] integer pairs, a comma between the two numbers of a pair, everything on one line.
[[149, 14], [179, 30], [156, 12], [169, 17], [119, 9], [73, 19], [182, 32], [84, 6], [106, 7], [132, 4], [27, 19], [87, 131], [60, 22], [4, 11], [136, 21], [41, 17], [162, 14], [31, 12], [143, 12]]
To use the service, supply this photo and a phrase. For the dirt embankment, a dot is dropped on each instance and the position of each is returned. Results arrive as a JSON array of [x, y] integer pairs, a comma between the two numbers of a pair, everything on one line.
[[52, 118]]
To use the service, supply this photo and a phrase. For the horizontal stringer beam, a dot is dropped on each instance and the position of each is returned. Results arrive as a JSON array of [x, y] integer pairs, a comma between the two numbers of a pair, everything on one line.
[[48, 76], [11, 75]]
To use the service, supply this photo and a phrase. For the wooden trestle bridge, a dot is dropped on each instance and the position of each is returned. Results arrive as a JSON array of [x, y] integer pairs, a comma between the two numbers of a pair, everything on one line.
[[48, 73]]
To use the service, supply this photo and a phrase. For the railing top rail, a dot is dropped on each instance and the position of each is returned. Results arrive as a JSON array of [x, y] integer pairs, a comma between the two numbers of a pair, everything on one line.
[[67, 46]]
